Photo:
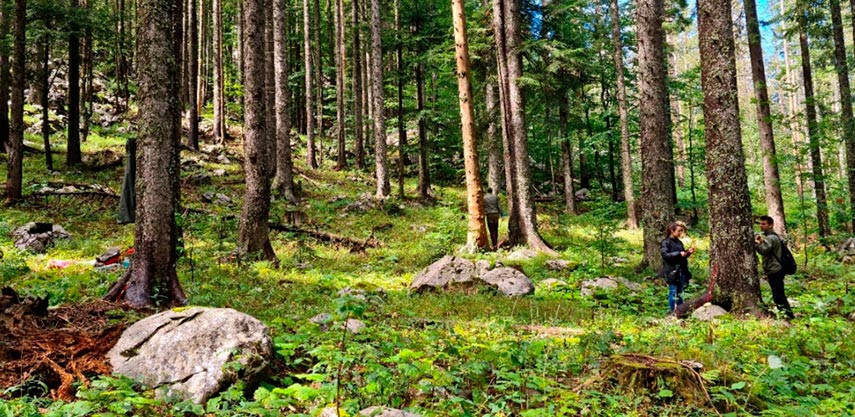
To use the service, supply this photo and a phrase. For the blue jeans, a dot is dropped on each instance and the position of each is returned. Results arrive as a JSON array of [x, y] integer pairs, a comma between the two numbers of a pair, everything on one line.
[[675, 295]]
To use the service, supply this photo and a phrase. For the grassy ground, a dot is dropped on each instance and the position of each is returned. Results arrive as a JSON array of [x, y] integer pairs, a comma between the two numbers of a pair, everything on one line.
[[553, 353]]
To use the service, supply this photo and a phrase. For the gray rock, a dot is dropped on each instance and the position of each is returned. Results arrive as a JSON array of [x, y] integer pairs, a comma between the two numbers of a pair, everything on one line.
[[557, 264], [353, 292], [331, 412], [219, 172], [509, 281], [322, 318], [708, 312], [481, 267], [846, 251], [522, 255], [582, 194], [445, 272], [354, 326], [224, 199], [37, 238], [185, 353], [608, 283], [386, 412], [552, 283]]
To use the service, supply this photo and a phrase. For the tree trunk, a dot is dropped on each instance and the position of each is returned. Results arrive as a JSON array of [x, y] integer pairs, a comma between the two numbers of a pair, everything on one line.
[[772, 181], [15, 147], [625, 151], [494, 141], [657, 167], [151, 279], [318, 65], [284, 163], [356, 75], [425, 192], [813, 133], [219, 80], [202, 77], [193, 77], [340, 54], [310, 92], [676, 132], [5, 76], [845, 103], [732, 255], [253, 234], [45, 90], [88, 74], [566, 155], [380, 160], [72, 153], [270, 86], [399, 72], [476, 237], [522, 223]]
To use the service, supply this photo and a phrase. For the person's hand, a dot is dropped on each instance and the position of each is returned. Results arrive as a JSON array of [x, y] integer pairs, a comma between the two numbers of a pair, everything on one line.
[[683, 254], [758, 239], [691, 251]]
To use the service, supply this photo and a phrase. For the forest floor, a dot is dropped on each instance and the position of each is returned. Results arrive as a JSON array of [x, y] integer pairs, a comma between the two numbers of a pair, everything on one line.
[[439, 354]]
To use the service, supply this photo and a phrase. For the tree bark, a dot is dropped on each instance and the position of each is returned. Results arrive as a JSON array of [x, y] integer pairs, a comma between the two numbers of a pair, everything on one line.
[[72, 153], [657, 166], [399, 73], [813, 133], [45, 90], [845, 103], [476, 237], [356, 75], [380, 159], [5, 76], [494, 141], [772, 180], [151, 279], [425, 191], [522, 221], [219, 80], [193, 77], [732, 248], [311, 159], [340, 54], [15, 147], [270, 87], [566, 155], [253, 233], [284, 163], [625, 151]]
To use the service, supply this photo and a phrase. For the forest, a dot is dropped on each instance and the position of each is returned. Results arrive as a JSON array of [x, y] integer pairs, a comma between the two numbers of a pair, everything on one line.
[[287, 207]]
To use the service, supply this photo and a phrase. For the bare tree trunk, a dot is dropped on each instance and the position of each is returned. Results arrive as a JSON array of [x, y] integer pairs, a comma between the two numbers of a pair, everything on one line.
[[625, 155], [732, 248], [476, 237], [219, 80], [657, 167], [270, 86], [494, 141], [566, 155], [399, 72], [310, 92], [813, 134], [676, 132], [424, 164], [791, 107], [380, 159], [151, 279], [253, 233], [15, 147], [359, 138], [193, 77], [45, 90], [72, 153], [845, 102], [284, 163], [5, 76], [522, 223], [772, 180], [318, 65], [340, 54]]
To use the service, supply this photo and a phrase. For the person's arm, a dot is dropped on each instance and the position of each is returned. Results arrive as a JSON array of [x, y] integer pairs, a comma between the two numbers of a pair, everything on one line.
[[765, 245], [667, 254]]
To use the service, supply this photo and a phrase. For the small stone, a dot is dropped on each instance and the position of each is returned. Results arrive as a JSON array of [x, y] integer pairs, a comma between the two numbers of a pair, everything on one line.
[[552, 283], [708, 312], [322, 318], [219, 172], [522, 255], [354, 326], [557, 264]]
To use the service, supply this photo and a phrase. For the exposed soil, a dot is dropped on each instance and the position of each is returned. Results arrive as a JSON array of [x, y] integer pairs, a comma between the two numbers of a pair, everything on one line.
[[44, 351]]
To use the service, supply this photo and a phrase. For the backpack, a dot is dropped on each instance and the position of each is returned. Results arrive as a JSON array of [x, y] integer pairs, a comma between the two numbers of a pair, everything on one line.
[[787, 261]]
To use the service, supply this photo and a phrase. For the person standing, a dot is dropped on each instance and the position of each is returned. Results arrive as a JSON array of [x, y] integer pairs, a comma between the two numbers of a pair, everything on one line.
[[770, 245], [675, 264], [493, 210]]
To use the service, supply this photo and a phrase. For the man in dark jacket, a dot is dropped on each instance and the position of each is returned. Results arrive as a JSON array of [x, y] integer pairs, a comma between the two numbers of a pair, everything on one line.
[[493, 211], [675, 264], [769, 245]]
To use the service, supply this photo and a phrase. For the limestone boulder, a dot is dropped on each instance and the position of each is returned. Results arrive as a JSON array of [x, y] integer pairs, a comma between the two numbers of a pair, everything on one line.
[[449, 270], [187, 353], [509, 281], [708, 312]]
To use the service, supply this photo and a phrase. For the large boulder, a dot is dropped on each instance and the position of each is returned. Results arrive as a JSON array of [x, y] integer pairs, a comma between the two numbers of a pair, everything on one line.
[[186, 353], [445, 272], [509, 281], [37, 237], [607, 284], [708, 312]]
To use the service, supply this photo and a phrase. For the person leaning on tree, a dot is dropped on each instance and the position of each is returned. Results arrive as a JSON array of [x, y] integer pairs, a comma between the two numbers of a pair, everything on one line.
[[493, 210], [770, 245], [675, 264]]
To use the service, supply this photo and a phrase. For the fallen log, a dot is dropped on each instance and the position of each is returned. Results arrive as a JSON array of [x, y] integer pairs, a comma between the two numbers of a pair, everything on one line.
[[355, 245]]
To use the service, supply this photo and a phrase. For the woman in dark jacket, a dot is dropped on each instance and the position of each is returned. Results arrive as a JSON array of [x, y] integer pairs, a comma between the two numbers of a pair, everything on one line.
[[675, 264]]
